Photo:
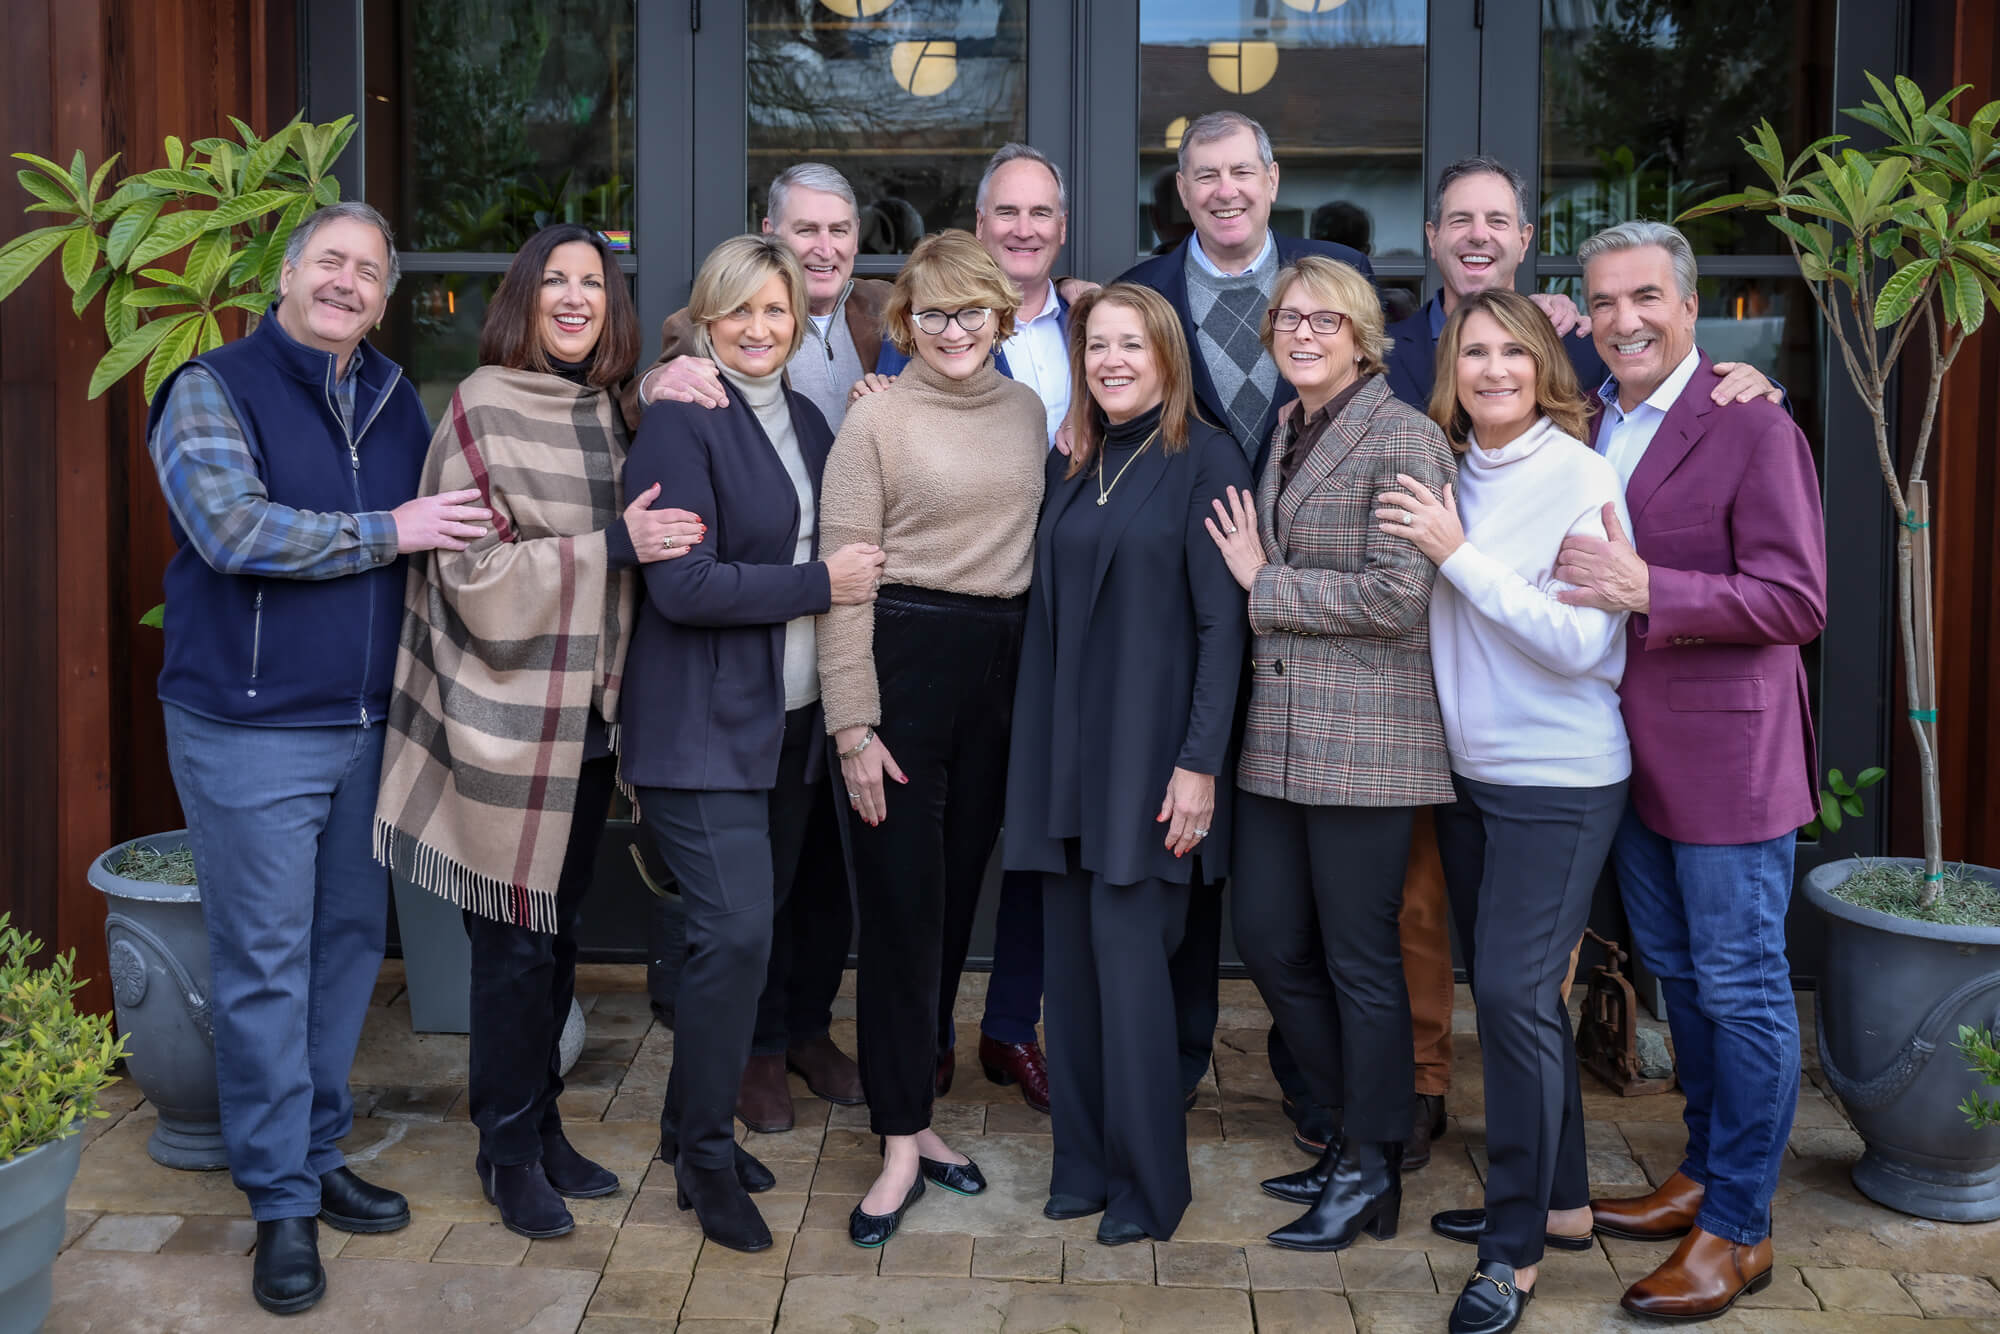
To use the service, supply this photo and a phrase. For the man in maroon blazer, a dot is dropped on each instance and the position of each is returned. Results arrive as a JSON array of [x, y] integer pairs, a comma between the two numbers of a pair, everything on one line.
[[1725, 576]]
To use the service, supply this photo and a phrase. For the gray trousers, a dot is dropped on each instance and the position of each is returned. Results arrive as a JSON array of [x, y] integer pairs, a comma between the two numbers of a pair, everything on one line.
[[1520, 865]]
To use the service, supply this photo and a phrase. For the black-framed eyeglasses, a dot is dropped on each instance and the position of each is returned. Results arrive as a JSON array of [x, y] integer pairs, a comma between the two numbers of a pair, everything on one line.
[[1326, 322], [972, 319]]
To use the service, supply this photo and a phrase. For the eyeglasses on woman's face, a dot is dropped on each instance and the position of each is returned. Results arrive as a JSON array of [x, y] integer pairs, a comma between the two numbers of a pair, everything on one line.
[[972, 319], [1323, 322]]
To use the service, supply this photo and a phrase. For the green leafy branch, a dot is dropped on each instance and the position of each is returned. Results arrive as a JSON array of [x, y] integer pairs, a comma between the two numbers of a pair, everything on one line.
[[1841, 799], [53, 1061], [1983, 1055], [227, 207]]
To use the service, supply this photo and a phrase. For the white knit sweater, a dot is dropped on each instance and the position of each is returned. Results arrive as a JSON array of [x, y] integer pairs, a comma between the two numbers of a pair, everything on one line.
[[1528, 685]]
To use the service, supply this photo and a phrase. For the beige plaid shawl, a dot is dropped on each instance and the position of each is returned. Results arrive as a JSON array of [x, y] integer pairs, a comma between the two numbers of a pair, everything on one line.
[[507, 646]]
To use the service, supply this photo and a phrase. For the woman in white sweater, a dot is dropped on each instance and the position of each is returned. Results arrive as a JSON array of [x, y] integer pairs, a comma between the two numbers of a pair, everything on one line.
[[1528, 686]]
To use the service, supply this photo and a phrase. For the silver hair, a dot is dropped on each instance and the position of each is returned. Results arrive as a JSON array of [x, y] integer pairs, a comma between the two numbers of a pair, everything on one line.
[[1480, 166], [1018, 152], [1633, 235], [348, 210], [807, 176], [1220, 125]]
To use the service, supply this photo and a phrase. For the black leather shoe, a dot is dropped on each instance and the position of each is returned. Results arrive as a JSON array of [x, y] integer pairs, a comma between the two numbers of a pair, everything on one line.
[[722, 1207], [756, 1177], [286, 1276], [1427, 1122], [572, 1174], [1489, 1303], [1363, 1194], [1313, 1126], [1116, 1232], [1466, 1225], [352, 1205], [1305, 1187], [947, 1066], [871, 1230], [528, 1205], [1065, 1207], [959, 1178]]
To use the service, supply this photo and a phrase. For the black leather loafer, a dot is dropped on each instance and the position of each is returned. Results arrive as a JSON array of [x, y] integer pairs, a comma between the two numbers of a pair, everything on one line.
[[352, 1205], [756, 1177], [1116, 1232], [572, 1174], [1466, 1225], [1062, 1208], [869, 1231], [959, 1178], [528, 1205], [1489, 1303], [286, 1276]]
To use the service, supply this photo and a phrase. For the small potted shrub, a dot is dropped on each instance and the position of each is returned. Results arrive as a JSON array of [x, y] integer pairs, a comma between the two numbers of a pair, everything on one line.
[[53, 1064]]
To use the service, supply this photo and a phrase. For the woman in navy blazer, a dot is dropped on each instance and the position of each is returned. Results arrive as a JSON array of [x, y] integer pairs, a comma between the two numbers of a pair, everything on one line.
[[721, 722], [1117, 788]]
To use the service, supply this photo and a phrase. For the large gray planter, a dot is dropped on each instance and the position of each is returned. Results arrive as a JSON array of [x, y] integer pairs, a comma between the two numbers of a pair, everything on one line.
[[160, 981], [33, 1190], [1891, 998]]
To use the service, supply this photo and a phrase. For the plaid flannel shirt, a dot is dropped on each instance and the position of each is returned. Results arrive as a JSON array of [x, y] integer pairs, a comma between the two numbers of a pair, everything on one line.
[[212, 486]]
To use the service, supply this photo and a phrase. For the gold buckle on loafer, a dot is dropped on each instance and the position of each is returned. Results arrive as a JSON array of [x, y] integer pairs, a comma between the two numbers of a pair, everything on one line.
[[1505, 1289]]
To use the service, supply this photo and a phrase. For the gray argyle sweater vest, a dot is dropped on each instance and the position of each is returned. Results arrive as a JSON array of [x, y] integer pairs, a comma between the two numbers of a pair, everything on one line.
[[1228, 316]]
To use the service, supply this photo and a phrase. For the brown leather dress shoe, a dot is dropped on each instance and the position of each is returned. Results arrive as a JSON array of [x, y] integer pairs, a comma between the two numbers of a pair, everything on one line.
[[764, 1099], [1661, 1216], [1702, 1278], [1427, 1123], [828, 1071], [1017, 1063], [947, 1066]]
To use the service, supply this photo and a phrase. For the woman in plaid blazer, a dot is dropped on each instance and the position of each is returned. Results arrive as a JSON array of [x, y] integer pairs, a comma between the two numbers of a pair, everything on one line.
[[1343, 740]]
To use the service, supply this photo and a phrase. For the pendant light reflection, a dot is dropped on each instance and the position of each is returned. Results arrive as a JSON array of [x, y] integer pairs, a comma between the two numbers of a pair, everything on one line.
[[864, 9], [924, 69], [1175, 129], [1242, 67]]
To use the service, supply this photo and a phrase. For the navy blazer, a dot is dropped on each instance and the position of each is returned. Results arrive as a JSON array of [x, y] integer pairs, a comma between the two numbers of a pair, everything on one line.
[[703, 704], [1167, 275], [890, 360], [1413, 360]]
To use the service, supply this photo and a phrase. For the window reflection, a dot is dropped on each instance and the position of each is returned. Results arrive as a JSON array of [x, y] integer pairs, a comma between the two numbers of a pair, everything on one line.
[[432, 331], [1339, 87], [908, 98], [1643, 102]]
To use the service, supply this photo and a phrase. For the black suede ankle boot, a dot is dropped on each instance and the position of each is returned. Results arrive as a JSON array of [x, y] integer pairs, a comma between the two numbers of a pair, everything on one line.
[[572, 1174], [725, 1210], [528, 1205]]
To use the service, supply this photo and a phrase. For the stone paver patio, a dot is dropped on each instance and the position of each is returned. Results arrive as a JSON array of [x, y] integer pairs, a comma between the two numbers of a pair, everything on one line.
[[151, 1249]]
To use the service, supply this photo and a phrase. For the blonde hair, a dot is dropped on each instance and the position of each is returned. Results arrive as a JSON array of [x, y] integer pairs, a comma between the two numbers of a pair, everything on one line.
[[1164, 340], [952, 271], [731, 276], [1557, 396], [1343, 289]]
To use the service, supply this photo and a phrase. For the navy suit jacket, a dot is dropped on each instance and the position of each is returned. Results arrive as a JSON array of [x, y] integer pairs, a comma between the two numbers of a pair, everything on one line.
[[890, 361], [1413, 360], [1167, 275]]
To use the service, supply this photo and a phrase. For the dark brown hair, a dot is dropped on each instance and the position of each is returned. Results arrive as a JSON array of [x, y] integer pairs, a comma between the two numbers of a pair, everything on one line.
[[1556, 394], [1164, 340], [511, 334]]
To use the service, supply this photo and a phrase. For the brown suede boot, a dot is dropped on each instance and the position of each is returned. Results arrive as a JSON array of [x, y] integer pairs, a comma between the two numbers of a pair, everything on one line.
[[764, 1099], [1702, 1278], [828, 1071], [1661, 1216]]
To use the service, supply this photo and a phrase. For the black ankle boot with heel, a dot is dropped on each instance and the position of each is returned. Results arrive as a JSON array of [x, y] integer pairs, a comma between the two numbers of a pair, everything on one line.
[[1363, 1193], [528, 1205], [727, 1215], [1304, 1187]]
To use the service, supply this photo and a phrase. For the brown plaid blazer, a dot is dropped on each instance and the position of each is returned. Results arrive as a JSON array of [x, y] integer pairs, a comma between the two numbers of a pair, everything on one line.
[[1343, 708]]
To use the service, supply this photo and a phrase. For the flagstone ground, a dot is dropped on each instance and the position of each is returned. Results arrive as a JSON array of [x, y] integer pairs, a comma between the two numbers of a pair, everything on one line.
[[150, 1249]]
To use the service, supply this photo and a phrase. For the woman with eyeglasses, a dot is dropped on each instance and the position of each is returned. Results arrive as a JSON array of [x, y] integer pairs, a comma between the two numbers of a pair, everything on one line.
[[1343, 741], [943, 471]]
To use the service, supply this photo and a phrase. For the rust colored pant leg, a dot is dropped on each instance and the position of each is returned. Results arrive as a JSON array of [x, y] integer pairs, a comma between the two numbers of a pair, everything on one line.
[[1427, 957]]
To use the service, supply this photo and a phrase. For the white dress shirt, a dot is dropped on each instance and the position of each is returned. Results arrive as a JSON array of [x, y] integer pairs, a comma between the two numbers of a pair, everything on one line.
[[1627, 434], [1201, 256], [1038, 356]]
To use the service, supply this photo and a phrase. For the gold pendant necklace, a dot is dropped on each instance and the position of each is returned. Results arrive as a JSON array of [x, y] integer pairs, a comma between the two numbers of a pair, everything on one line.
[[1103, 491]]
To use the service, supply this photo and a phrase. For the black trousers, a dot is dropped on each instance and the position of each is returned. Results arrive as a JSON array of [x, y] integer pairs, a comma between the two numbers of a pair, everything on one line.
[[522, 984], [945, 664], [1114, 1081], [734, 854], [1317, 890], [1197, 995], [1520, 866]]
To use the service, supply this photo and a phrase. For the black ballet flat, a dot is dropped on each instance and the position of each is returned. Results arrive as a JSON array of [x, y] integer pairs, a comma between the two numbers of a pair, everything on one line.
[[1467, 1225], [1116, 1232], [1490, 1303], [959, 1178], [870, 1231], [1062, 1208]]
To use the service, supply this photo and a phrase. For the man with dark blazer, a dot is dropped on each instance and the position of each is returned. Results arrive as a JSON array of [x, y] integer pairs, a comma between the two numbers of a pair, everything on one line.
[[1724, 575]]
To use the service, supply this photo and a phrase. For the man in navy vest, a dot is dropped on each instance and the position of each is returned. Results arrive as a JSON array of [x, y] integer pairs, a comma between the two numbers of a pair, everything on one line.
[[290, 462]]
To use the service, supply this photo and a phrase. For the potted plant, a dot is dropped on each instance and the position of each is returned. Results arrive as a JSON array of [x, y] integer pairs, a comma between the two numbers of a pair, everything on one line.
[[53, 1064], [1896, 245]]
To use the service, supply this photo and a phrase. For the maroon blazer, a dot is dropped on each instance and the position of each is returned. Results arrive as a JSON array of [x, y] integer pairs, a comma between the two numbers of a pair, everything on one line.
[[1725, 511]]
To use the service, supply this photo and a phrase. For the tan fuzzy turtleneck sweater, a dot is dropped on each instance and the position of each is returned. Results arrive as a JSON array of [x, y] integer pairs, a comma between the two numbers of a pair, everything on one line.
[[946, 477]]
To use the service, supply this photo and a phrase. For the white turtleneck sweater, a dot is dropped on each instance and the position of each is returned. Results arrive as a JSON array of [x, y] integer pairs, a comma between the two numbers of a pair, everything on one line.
[[766, 397], [1528, 685]]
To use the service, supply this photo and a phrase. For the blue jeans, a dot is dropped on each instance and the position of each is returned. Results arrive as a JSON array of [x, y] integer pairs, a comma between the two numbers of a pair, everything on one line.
[[1709, 922], [296, 907]]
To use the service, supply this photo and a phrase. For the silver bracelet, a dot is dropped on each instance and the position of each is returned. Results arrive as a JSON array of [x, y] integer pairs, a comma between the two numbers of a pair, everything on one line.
[[867, 739]]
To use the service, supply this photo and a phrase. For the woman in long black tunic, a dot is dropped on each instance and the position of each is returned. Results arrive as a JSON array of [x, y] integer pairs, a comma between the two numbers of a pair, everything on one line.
[[1127, 690]]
